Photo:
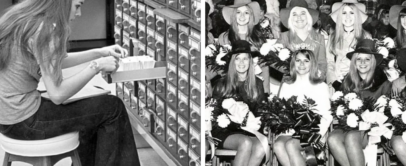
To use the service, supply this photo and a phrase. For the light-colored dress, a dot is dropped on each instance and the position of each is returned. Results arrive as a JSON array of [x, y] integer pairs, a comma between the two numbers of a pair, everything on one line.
[[318, 92]]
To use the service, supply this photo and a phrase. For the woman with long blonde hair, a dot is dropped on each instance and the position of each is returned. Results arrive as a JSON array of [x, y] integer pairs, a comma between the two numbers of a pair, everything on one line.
[[33, 43], [347, 146], [349, 16], [241, 84]]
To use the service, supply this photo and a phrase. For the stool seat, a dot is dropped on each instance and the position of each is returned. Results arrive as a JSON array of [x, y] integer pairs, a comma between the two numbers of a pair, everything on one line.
[[37, 148]]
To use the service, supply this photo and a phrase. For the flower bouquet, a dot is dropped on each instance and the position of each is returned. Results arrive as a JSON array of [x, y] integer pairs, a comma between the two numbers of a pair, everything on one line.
[[214, 55], [275, 54], [296, 116], [385, 46], [397, 116]]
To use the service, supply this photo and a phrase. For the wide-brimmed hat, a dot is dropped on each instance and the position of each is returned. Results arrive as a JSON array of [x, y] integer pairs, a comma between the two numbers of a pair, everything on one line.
[[285, 13], [401, 59], [239, 46], [228, 10], [338, 5], [366, 46], [394, 15]]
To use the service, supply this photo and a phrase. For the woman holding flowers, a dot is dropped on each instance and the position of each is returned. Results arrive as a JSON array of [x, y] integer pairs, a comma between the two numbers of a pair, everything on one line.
[[347, 146], [241, 84], [348, 16], [303, 82]]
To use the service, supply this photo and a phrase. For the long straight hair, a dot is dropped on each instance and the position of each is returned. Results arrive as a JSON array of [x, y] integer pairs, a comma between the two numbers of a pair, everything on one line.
[[337, 39], [314, 68], [38, 30], [232, 79], [252, 37], [400, 34], [353, 82]]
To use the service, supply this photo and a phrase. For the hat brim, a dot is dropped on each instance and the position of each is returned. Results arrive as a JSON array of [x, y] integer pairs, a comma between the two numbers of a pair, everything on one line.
[[394, 14], [378, 56], [228, 11], [285, 13], [361, 7]]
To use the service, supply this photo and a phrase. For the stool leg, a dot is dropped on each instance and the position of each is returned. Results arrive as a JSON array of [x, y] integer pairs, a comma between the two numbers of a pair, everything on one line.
[[43, 161], [6, 161], [75, 158]]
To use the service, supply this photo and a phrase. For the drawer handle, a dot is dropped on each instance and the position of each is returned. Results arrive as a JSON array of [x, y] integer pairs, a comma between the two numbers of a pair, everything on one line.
[[171, 75], [182, 131], [171, 2], [159, 130], [181, 155], [170, 142], [140, 14], [194, 93], [194, 69], [158, 46], [194, 142], [180, 37], [182, 106], [193, 115], [149, 19], [182, 84], [171, 121], [158, 26], [159, 110], [192, 163], [182, 63], [171, 96]]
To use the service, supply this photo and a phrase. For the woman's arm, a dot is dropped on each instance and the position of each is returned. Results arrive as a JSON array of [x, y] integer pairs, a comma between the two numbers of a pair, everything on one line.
[[70, 86], [77, 58], [331, 76], [322, 60]]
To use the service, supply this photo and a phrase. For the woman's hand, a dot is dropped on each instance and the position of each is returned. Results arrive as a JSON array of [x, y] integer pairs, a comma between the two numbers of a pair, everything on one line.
[[108, 64], [114, 50], [398, 85]]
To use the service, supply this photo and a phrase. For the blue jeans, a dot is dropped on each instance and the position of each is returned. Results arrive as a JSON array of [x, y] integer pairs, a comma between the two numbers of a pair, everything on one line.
[[106, 136]]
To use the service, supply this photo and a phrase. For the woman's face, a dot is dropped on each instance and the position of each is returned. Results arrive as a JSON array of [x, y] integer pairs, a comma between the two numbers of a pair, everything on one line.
[[243, 15], [348, 16], [242, 62], [76, 9], [385, 19], [302, 64], [403, 21], [363, 62], [299, 17]]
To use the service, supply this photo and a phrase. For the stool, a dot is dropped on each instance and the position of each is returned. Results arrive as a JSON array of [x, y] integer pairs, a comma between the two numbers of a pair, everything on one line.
[[222, 153], [45, 152]]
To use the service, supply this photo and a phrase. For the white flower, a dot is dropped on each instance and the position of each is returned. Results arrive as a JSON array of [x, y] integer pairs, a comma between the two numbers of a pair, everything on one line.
[[301, 99], [340, 110], [223, 120], [253, 122], [395, 111], [284, 54], [226, 48], [383, 51], [277, 47], [337, 95], [209, 111], [350, 96], [209, 50], [382, 101], [218, 59], [257, 70], [404, 117], [389, 42], [265, 23], [355, 104], [227, 103], [368, 116], [255, 60], [352, 120], [394, 103], [268, 46]]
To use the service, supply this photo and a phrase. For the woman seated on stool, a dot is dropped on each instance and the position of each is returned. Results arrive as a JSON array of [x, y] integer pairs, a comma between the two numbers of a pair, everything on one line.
[[33, 42], [347, 147], [306, 81], [240, 82]]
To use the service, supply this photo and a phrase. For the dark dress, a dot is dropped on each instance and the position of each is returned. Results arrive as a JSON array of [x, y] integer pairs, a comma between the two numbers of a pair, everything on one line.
[[240, 95]]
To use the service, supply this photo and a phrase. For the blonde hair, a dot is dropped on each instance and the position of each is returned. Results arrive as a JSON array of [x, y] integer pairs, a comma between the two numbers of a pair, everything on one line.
[[337, 39], [48, 22], [353, 82]]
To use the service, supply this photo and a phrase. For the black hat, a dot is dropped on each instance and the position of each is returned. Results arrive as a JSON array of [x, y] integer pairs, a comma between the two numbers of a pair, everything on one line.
[[367, 46], [401, 59], [239, 46]]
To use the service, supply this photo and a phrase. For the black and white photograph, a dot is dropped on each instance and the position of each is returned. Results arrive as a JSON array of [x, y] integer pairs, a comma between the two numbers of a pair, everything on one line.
[[100, 82], [305, 82]]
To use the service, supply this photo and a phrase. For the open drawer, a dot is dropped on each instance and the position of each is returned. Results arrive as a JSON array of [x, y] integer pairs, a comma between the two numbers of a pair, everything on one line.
[[159, 71]]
